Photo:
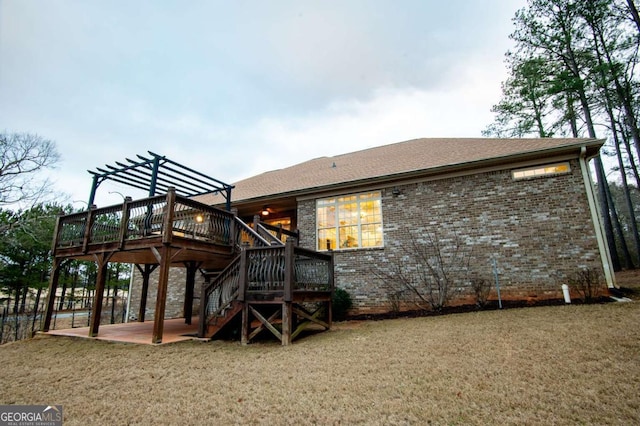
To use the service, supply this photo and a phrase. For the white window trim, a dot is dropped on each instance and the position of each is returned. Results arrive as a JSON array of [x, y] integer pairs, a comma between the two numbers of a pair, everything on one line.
[[359, 225]]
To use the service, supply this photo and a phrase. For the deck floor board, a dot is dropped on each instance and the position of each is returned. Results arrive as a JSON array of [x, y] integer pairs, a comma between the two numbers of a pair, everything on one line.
[[175, 330]]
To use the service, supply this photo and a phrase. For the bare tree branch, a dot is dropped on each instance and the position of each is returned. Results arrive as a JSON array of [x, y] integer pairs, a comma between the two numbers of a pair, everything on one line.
[[23, 156]]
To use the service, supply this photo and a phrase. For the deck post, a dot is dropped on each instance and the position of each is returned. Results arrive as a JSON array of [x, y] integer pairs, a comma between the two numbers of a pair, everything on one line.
[[124, 221], [244, 333], [167, 222], [87, 230], [289, 260], [202, 318], [256, 222], [192, 268], [96, 310], [146, 273], [51, 297], [233, 230], [287, 322], [242, 279], [332, 286], [289, 283], [242, 294], [161, 298]]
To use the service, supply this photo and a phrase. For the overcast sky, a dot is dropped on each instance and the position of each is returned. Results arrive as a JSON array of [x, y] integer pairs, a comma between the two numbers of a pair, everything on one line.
[[236, 88]]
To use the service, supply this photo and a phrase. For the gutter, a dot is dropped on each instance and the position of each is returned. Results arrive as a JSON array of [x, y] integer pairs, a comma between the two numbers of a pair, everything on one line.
[[596, 218], [471, 166]]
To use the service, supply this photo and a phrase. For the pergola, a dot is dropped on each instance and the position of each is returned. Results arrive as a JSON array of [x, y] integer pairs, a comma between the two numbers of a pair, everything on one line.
[[156, 174], [166, 229]]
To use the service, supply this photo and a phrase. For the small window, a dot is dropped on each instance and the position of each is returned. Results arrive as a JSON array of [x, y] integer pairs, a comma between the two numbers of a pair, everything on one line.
[[549, 169], [349, 222]]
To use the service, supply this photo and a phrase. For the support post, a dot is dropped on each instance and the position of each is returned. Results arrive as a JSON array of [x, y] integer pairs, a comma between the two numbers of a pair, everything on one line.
[[233, 230], [202, 319], [87, 230], [146, 274], [192, 268], [289, 278], [161, 298], [124, 221], [167, 224], [96, 310], [242, 294], [287, 322], [51, 297], [242, 279], [332, 286], [244, 333]]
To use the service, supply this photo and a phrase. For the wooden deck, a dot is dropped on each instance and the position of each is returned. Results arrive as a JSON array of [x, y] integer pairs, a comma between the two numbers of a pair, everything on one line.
[[260, 276], [175, 330]]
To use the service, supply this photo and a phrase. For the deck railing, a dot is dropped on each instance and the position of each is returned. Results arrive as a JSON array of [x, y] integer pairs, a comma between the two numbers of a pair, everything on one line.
[[166, 216], [274, 234], [285, 269], [219, 294], [246, 235], [267, 273]]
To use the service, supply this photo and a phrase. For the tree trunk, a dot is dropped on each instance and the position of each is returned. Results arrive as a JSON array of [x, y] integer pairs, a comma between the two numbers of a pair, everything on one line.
[[626, 255], [571, 115], [634, 13], [608, 103], [23, 301], [571, 63], [65, 280]]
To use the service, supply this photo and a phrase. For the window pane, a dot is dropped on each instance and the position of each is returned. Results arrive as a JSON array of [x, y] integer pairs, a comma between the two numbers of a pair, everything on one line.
[[350, 221], [348, 236], [326, 217], [346, 199], [348, 214], [541, 171], [371, 235], [327, 237]]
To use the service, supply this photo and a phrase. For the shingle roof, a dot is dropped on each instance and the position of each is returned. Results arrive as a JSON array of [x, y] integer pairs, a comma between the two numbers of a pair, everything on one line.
[[403, 158]]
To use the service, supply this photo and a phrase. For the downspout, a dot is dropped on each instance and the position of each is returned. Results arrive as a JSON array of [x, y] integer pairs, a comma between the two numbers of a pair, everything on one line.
[[605, 256], [129, 293]]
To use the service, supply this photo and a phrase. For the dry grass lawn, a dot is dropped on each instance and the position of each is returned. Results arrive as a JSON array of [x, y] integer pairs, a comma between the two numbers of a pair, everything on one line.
[[546, 365]]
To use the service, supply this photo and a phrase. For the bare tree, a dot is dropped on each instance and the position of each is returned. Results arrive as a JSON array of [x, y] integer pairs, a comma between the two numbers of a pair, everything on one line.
[[430, 269], [23, 156]]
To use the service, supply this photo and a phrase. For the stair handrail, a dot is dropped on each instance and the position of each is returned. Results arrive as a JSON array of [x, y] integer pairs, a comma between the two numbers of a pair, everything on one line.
[[279, 230], [227, 282], [257, 239], [262, 230]]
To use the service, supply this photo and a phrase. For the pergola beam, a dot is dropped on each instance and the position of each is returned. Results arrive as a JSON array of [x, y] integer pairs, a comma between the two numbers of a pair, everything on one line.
[[158, 174]]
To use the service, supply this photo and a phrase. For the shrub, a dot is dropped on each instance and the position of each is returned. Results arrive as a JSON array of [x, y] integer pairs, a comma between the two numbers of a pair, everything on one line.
[[481, 288], [588, 282], [395, 300], [340, 304]]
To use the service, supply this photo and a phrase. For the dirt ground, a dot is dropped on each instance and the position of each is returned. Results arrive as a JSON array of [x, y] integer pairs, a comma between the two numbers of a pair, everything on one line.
[[576, 364]]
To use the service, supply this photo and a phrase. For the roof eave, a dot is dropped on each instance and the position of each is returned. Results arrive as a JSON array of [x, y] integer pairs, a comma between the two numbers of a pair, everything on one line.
[[592, 145]]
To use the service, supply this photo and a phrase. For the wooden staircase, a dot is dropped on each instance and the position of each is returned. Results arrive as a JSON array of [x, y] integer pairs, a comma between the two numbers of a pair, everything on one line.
[[219, 301], [272, 286], [217, 322]]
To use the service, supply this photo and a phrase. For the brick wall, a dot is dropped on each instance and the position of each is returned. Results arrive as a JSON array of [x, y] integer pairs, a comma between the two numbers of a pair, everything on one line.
[[175, 293], [538, 230]]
